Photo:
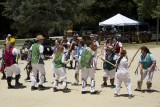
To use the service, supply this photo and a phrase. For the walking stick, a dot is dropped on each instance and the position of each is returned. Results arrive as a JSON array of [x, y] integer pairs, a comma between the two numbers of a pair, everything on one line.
[[133, 58]]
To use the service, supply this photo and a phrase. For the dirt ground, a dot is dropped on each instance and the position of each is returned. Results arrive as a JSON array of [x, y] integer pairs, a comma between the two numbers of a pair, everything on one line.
[[24, 97]]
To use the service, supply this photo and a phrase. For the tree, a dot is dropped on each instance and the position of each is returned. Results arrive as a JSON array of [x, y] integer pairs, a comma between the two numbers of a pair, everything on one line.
[[42, 15], [103, 9], [146, 8]]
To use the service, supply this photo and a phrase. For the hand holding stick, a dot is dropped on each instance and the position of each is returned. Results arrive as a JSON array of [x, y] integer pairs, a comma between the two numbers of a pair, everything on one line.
[[108, 62]]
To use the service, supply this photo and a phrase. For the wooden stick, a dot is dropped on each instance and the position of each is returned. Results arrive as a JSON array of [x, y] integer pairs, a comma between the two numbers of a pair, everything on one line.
[[109, 62], [133, 57]]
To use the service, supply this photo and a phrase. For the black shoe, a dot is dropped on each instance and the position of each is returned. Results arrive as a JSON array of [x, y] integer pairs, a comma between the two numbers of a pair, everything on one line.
[[11, 87], [18, 84], [130, 96], [34, 88], [41, 87], [28, 78], [104, 85], [75, 84], [55, 89], [93, 92], [3, 78], [137, 89], [113, 86], [83, 92]]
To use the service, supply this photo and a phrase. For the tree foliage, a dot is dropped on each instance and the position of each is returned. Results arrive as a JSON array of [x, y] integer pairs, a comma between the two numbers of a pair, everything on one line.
[[147, 8], [42, 15], [103, 9], [55, 15]]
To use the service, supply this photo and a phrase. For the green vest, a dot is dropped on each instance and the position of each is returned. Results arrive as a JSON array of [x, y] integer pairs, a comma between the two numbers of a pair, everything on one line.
[[58, 61], [146, 61], [107, 65], [86, 58], [36, 59]]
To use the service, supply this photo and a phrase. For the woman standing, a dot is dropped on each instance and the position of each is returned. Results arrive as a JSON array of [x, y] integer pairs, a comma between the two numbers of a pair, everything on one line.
[[147, 65], [123, 74], [59, 68]]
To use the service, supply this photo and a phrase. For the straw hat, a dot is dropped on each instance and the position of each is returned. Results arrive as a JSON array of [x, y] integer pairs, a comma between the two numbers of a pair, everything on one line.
[[12, 40], [40, 37]]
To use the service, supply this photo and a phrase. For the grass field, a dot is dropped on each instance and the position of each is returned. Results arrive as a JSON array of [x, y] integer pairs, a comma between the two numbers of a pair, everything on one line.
[[18, 42]]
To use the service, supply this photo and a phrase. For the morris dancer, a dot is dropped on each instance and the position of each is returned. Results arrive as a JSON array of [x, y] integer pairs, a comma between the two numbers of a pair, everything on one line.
[[117, 45], [87, 68], [94, 47], [80, 48], [11, 57], [147, 65], [37, 63], [73, 52], [123, 74], [109, 70], [59, 68]]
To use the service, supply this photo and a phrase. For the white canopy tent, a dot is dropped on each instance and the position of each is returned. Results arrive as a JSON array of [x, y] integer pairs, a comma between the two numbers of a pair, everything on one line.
[[118, 20]]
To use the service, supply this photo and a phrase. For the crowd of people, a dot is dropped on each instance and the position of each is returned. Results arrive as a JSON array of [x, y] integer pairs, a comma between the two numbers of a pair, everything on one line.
[[84, 55]]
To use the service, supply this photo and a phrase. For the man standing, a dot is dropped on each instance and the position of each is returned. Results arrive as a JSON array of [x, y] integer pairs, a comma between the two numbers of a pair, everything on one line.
[[87, 67], [11, 63], [37, 58], [109, 69]]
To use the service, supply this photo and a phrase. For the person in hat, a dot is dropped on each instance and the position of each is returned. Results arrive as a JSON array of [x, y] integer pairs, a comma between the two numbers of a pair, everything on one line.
[[11, 57], [122, 74], [37, 63], [109, 70]]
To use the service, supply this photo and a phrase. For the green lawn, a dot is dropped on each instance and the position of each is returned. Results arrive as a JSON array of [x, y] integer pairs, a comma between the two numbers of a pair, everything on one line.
[[18, 42]]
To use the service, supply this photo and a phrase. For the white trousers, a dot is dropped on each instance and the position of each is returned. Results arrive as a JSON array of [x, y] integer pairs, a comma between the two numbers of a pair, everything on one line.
[[109, 73], [60, 73], [123, 76], [86, 72], [12, 69], [147, 75], [35, 69]]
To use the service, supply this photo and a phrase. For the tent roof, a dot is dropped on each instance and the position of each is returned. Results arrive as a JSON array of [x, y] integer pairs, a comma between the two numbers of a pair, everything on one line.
[[118, 20]]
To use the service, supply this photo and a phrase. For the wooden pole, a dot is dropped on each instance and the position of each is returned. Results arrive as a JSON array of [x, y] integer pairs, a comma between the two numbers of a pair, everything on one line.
[[133, 57]]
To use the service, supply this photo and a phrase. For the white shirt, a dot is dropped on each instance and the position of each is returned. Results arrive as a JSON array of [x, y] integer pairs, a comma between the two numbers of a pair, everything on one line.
[[15, 51], [123, 65]]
